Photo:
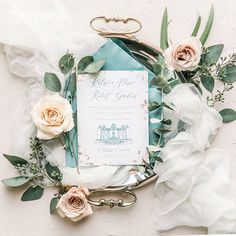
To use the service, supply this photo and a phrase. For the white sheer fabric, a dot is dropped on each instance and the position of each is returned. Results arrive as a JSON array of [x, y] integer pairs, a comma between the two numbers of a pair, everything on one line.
[[194, 186], [34, 35]]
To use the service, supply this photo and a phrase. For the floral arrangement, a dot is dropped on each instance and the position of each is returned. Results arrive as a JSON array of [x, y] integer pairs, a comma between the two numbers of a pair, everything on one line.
[[54, 117], [200, 65]]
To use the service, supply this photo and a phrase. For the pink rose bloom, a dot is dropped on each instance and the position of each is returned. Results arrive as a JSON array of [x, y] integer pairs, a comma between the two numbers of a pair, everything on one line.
[[184, 55], [74, 204]]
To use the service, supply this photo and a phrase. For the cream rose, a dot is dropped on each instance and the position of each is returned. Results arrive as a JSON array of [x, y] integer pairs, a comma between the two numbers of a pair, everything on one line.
[[74, 204], [52, 115], [184, 55]]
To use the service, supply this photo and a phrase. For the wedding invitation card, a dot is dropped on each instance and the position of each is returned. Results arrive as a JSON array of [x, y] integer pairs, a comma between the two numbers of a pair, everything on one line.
[[112, 118]]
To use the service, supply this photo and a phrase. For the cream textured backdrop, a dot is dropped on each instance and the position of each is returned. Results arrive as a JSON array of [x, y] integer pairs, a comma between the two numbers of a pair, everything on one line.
[[33, 218]]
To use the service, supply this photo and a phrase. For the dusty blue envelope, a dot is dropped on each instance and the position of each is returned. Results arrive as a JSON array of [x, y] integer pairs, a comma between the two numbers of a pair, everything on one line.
[[117, 57]]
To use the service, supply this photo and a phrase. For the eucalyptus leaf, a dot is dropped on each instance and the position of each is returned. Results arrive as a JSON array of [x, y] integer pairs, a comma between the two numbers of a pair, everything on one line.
[[166, 122], [166, 89], [208, 82], [52, 171], [228, 115], [156, 68], [15, 181], [155, 155], [15, 160], [158, 81], [197, 26], [166, 106], [164, 31], [52, 82], [153, 106], [161, 131], [53, 204], [32, 193], [158, 158], [66, 63], [84, 62], [94, 67], [208, 26], [213, 54], [229, 73]]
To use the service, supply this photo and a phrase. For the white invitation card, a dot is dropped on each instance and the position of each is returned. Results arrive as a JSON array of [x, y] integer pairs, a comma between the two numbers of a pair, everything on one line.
[[112, 118]]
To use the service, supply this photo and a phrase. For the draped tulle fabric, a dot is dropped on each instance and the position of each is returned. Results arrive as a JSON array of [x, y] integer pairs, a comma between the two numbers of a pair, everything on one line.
[[34, 35], [194, 186]]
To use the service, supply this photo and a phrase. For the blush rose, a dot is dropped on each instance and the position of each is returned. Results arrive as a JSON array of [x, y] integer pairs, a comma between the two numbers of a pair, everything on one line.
[[74, 204], [184, 55], [52, 115]]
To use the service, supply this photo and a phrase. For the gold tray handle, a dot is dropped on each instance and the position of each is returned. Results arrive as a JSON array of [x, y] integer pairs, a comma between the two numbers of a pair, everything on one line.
[[111, 202], [115, 19]]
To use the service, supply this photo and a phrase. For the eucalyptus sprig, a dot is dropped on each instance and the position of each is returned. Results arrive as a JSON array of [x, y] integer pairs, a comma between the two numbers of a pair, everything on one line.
[[35, 171], [87, 65]]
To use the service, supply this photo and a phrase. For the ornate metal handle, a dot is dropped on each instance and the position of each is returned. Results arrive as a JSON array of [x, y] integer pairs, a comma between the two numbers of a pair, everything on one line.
[[115, 19], [111, 202]]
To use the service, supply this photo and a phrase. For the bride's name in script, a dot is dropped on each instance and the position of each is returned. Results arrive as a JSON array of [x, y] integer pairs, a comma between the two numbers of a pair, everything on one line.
[[113, 90]]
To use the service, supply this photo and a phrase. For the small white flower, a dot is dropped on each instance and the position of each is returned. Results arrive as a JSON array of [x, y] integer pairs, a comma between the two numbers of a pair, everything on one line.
[[184, 55], [52, 115]]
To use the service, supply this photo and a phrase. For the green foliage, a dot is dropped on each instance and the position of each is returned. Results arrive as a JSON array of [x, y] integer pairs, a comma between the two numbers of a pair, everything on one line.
[[208, 82], [155, 105], [154, 155], [32, 193], [208, 26], [228, 115], [53, 172], [161, 82], [212, 54], [84, 62], [15, 160], [157, 158], [228, 73], [15, 181], [197, 26], [166, 122], [161, 131], [164, 31], [52, 82], [219, 96], [53, 204], [94, 67], [37, 171], [166, 106], [87, 65], [157, 68], [66, 63]]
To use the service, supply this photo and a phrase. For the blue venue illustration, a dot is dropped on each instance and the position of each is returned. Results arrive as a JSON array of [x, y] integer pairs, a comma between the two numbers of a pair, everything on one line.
[[113, 134]]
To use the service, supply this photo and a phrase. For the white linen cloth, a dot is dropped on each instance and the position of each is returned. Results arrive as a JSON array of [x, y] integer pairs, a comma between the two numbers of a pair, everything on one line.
[[194, 186]]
